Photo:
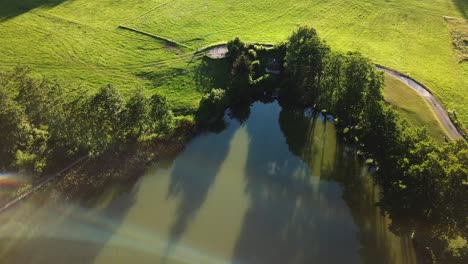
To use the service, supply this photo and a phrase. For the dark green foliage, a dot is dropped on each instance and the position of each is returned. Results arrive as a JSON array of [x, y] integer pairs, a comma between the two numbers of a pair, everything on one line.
[[380, 130], [422, 181], [104, 112], [235, 48], [362, 86], [40, 129], [333, 81], [212, 105], [29, 106], [31, 155], [305, 60], [11, 117], [40, 98], [256, 69], [160, 114], [252, 54], [248, 80], [136, 116], [239, 89], [241, 112]]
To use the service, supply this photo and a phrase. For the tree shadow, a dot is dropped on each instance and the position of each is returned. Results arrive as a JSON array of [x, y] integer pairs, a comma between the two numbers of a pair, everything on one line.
[[159, 77], [49, 250], [212, 73], [193, 175], [300, 196], [76, 231], [12, 8], [286, 222], [462, 6], [376, 239], [61, 232]]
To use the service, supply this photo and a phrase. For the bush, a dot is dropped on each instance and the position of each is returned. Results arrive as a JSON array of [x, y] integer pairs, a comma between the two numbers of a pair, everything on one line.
[[252, 54], [264, 85], [255, 69], [235, 47], [212, 105]]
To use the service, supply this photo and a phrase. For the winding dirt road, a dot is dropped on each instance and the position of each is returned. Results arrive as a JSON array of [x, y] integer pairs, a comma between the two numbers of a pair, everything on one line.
[[220, 51]]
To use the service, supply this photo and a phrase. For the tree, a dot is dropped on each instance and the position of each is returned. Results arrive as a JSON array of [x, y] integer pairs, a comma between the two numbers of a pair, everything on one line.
[[351, 100], [103, 111], [41, 98], [160, 114], [333, 81], [239, 89], [235, 47], [31, 154], [305, 65], [135, 118], [11, 117], [381, 133], [212, 105]]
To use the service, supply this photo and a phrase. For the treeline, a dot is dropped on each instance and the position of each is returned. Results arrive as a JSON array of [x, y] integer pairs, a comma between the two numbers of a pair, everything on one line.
[[424, 183], [42, 125]]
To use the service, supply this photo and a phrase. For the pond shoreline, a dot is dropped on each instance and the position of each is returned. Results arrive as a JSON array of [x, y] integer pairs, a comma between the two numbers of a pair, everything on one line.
[[220, 50], [79, 170]]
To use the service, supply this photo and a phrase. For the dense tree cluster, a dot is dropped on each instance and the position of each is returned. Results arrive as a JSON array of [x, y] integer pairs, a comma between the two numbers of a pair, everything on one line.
[[424, 182], [41, 124], [248, 79]]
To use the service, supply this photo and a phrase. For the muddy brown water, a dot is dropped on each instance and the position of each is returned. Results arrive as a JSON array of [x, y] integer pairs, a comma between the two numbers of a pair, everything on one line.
[[278, 188]]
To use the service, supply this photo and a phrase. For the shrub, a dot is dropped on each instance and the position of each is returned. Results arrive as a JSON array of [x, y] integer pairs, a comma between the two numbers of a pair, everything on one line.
[[239, 90], [235, 47], [252, 54], [212, 105], [255, 69]]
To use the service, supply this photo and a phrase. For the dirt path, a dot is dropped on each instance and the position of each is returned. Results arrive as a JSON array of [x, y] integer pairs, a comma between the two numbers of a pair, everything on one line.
[[441, 113], [220, 51]]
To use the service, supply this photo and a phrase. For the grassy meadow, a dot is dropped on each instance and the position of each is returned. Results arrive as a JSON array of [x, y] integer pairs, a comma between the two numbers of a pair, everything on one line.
[[79, 42]]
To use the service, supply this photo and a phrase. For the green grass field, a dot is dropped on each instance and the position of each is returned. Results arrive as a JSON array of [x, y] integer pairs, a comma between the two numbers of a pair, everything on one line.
[[78, 41], [412, 107]]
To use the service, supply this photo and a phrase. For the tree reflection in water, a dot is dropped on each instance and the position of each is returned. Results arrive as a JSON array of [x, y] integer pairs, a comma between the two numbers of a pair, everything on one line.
[[301, 204]]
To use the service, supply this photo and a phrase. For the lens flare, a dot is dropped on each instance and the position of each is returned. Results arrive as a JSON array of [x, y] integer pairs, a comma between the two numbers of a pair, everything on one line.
[[11, 181]]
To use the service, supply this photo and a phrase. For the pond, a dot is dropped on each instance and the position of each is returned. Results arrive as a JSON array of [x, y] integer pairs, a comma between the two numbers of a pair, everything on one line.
[[276, 188]]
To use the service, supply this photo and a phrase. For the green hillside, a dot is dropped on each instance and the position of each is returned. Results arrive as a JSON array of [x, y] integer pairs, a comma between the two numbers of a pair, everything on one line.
[[79, 41]]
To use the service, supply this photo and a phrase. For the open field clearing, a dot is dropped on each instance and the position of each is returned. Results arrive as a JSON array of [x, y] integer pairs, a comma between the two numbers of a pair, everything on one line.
[[79, 41]]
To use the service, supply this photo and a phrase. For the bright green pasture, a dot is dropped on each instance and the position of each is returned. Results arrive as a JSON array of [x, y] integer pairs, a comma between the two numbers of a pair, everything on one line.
[[78, 40], [412, 107]]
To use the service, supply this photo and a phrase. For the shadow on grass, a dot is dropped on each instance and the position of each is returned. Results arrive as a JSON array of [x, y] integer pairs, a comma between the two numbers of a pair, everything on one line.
[[462, 6], [13, 8], [159, 78], [212, 73], [207, 74]]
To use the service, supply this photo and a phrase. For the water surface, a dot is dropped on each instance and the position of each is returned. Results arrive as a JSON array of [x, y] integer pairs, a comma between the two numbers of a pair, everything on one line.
[[276, 188]]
